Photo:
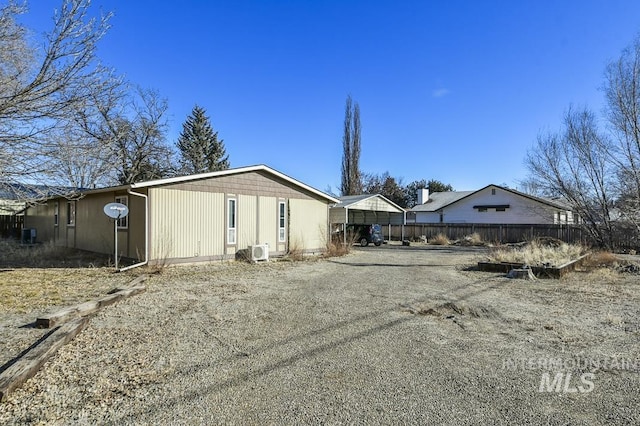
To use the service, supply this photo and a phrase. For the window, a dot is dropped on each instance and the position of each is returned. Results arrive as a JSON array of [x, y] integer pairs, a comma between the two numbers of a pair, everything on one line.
[[482, 209], [501, 209], [56, 213], [123, 222], [493, 191], [71, 213], [231, 221], [282, 235]]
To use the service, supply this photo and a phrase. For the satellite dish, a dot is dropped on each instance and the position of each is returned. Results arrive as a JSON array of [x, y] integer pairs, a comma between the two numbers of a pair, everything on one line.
[[116, 210]]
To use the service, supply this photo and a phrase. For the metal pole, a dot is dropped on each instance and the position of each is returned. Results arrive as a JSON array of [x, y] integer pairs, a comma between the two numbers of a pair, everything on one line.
[[115, 226]]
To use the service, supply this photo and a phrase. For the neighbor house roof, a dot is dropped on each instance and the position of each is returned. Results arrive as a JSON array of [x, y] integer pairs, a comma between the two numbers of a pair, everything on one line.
[[352, 201], [209, 175], [30, 192], [440, 200]]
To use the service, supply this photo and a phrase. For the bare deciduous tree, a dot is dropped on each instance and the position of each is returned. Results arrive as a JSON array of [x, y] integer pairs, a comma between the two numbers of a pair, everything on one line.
[[136, 136], [622, 90], [574, 164], [39, 88]]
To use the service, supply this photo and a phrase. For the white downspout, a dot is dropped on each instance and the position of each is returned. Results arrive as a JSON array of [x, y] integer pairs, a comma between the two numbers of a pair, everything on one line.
[[146, 231]]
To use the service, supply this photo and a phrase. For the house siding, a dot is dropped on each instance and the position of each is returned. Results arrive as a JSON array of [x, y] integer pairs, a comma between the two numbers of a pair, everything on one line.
[[93, 230], [41, 217], [268, 223], [251, 183], [521, 210], [308, 226], [188, 219], [176, 232]]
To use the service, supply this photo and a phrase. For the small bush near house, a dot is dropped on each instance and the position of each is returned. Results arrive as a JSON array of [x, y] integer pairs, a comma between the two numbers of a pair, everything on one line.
[[295, 253], [440, 240], [336, 248]]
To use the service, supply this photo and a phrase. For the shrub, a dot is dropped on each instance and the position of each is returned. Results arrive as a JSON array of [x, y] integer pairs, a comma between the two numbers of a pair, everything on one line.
[[440, 240], [473, 240], [537, 253], [337, 247]]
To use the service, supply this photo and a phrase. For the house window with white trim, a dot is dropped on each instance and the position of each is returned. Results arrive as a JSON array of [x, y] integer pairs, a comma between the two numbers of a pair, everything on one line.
[[282, 210], [231, 221], [123, 222], [56, 213], [71, 213]]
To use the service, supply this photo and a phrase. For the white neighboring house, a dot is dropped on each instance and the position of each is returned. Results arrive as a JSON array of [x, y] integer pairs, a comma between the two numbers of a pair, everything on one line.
[[491, 204]]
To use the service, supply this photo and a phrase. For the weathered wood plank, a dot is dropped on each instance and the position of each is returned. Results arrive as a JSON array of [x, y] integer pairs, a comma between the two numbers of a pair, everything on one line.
[[135, 283], [29, 364], [82, 309], [86, 308]]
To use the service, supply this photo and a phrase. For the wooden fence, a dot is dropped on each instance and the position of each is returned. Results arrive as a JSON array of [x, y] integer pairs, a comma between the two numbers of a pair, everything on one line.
[[494, 233], [11, 226]]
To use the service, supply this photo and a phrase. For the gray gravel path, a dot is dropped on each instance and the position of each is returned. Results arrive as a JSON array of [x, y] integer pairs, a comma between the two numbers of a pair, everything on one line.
[[386, 335]]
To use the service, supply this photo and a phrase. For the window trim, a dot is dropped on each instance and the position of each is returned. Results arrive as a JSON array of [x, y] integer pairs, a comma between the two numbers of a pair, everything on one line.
[[282, 221], [232, 214], [71, 213], [125, 220]]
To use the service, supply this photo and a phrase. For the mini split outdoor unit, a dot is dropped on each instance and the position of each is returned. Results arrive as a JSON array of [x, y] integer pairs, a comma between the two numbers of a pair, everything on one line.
[[259, 252]]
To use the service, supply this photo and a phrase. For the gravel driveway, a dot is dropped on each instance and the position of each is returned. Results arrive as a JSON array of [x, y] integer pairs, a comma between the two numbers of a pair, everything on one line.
[[387, 335]]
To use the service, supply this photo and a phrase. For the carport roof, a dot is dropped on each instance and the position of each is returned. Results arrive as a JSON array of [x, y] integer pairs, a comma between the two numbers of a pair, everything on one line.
[[357, 202]]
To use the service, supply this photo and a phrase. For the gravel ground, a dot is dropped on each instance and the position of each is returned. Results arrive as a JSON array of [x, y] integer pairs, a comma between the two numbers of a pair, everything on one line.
[[387, 335]]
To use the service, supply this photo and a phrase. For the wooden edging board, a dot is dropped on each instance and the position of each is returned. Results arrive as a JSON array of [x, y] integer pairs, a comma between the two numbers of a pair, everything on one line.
[[29, 364], [92, 306], [538, 271]]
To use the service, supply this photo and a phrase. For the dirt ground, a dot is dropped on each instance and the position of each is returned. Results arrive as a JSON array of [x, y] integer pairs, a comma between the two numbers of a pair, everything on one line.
[[384, 335]]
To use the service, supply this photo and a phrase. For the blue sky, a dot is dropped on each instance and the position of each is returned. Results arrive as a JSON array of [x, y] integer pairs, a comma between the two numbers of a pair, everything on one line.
[[450, 90]]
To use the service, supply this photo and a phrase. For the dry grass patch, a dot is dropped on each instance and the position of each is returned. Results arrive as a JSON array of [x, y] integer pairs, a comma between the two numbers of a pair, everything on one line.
[[16, 255], [336, 247], [28, 289], [472, 240], [440, 240], [537, 253], [601, 259]]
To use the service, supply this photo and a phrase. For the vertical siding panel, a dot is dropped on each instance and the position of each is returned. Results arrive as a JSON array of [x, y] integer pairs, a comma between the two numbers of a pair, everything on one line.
[[268, 222], [308, 224], [247, 220], [186, 223]]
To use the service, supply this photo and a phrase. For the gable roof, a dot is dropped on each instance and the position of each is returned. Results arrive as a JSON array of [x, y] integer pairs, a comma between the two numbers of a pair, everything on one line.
[[24, 192], [439, 200], [209, 175], [352, 201], [445, 199]]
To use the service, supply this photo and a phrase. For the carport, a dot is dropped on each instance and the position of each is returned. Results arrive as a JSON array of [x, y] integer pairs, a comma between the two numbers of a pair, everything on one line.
[[365, 210]]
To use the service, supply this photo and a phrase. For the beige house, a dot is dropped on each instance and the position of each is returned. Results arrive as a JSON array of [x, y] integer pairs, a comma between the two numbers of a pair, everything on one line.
[[204, 217], [491, 204]]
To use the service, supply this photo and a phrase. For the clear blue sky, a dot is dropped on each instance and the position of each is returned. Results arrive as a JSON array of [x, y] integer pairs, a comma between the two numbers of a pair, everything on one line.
[[450, 90]]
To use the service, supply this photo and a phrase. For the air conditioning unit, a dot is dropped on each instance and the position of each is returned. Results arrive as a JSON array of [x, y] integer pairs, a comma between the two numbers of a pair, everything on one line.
[[259, 252]]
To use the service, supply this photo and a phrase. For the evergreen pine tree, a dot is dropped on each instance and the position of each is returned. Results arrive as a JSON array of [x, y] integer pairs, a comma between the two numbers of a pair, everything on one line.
[[200, 149]]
